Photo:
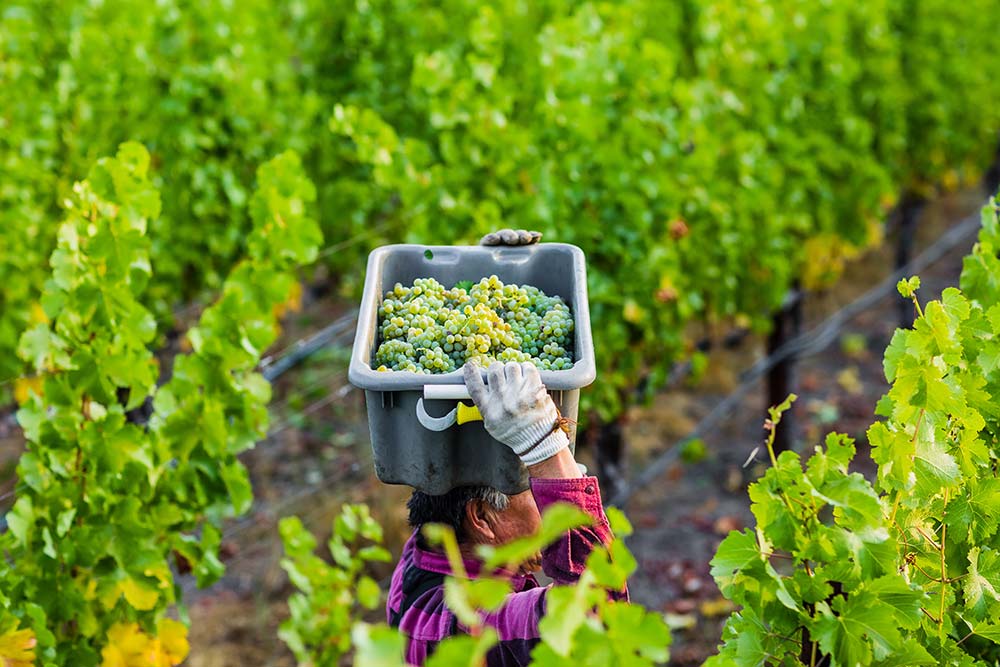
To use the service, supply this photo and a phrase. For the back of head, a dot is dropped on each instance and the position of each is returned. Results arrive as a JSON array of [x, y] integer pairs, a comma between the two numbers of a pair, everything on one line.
[[449, 508]]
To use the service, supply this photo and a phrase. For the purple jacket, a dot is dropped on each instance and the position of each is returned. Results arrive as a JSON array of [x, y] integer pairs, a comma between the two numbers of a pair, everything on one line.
[[419, 576]]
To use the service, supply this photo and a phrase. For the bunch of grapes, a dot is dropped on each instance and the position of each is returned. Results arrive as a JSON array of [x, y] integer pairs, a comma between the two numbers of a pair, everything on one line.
[[426, 328]]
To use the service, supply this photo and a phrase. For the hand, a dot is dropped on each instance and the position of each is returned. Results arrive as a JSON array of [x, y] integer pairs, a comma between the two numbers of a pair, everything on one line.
[[511, 237], [517, 410]]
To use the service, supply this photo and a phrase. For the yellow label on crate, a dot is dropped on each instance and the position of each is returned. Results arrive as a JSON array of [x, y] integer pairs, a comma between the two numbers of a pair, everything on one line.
[[467, 413]]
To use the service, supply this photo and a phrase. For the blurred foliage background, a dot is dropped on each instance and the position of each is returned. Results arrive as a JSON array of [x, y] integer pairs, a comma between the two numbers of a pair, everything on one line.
[[705, 154]]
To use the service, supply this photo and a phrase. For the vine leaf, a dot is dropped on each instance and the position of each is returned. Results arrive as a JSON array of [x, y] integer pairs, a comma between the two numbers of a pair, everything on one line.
[[737, 552], [982, 583], [557, 520], [567, 608], [976, 513], [856, 629], [463, 650], [378, 646]]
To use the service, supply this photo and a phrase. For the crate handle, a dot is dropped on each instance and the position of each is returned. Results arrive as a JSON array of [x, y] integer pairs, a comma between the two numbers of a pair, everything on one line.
[[446, 392]]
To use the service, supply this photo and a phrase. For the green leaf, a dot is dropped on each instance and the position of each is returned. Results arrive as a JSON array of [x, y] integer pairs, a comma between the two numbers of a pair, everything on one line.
[[974, 514], [633, 630], [378, 646], [855, 630], [296, 540], [745, 636], [780, 590], [368, 592], [858, 507], [935, 468], [463, 651], [468, 598], [50, 544], [40, 347], [895, 593], [893, 451], [612, 566], [488, 594], [909, 653], [989, 631], [64, 521], [374, 554], [620, 525], [840, 450], [981, 585], [237, 481], [21, 520], [736, 553], [907, 287], [557, 520], [567, 608], [208, 568], [458, 601]]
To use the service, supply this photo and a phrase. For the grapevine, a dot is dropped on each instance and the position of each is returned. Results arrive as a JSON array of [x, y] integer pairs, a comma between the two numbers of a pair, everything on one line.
[[426, 328], [902, 572], [705, 155], [108, 507]]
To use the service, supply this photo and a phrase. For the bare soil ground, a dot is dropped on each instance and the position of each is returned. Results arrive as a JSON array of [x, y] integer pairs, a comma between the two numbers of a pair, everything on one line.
[[319, 458]]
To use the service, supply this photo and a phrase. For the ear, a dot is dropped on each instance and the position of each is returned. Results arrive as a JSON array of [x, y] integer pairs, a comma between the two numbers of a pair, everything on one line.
[[479, 521]]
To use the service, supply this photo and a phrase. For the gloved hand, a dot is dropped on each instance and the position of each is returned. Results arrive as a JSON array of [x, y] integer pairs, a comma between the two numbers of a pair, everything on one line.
[[511, 237], [517, 410]]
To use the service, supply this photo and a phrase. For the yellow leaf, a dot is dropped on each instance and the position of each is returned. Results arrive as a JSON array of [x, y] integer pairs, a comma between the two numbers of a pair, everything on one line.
[[127, 638], [37, 314], [17, 648], [632, 312], [716, 607], [874, 232], [25, 387], [162, 575], [850, 380], [824, 259], [951, 180], [87, 586], [292, 304], [129, 646], [138, 594], [887, 201], [173, 637], [126, 646]]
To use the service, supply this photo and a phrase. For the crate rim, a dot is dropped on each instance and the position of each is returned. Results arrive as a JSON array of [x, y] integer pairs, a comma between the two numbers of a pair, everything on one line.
[[363, 376]]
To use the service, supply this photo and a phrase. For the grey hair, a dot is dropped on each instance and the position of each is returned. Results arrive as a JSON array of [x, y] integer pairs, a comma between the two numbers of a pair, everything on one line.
[[449, 508]]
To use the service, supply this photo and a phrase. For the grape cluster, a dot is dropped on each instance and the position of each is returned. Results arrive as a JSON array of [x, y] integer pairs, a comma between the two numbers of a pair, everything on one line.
[[426, 328]]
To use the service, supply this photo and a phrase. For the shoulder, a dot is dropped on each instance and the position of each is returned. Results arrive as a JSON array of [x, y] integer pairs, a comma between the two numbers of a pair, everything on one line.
[[428, 619]]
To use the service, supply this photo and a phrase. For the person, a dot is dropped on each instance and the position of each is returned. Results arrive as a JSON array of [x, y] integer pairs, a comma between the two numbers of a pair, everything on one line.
[[518, 412]]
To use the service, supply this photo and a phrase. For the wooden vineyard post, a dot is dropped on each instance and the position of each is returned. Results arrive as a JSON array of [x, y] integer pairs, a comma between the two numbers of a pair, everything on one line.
[[786, 325], [909, 212], [991, 177]]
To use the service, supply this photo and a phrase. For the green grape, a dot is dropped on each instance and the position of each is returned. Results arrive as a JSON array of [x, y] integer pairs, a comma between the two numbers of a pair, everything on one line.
[[425, 328]]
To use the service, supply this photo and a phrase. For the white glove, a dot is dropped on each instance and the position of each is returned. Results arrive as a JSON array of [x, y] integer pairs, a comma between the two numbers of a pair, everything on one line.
[[517, 410]]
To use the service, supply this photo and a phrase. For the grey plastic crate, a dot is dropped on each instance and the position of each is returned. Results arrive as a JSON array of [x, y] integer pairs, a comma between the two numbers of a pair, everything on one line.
[[436, 461]]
